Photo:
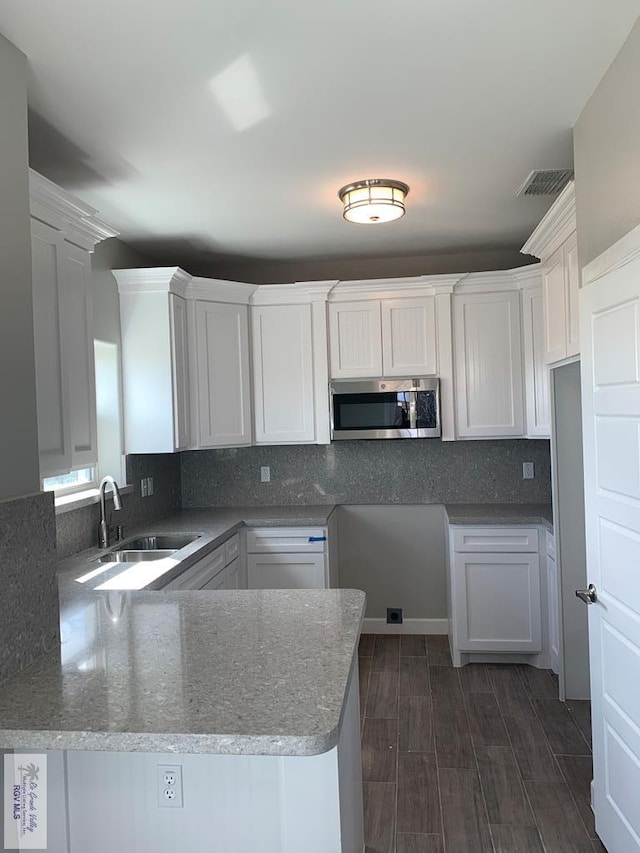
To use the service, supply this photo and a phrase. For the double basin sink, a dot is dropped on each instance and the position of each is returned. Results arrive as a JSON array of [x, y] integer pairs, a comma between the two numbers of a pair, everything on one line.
[[152, 547]]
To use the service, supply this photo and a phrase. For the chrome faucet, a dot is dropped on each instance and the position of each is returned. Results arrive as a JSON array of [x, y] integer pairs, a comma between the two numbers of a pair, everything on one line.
[[103, 527]]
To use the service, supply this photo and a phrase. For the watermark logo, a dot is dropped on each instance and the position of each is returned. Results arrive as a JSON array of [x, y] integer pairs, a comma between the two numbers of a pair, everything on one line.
[[25, 802]]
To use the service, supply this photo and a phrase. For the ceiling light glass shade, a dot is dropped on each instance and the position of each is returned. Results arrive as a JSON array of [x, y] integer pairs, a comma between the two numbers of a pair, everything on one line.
[[373, 201]]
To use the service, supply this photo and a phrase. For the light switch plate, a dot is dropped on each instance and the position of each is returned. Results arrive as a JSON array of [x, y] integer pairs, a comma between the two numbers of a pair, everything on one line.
[[143, 487]]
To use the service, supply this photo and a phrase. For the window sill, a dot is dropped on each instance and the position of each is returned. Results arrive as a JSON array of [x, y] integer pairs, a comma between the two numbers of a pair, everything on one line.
[[67, 503]]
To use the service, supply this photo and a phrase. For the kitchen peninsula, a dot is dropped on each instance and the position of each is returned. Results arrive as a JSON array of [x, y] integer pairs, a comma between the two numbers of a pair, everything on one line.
[[252, 694]]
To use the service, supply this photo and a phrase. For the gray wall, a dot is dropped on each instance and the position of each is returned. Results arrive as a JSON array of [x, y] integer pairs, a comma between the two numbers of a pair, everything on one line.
[[396, 554], [359, 472], [19, 472], [607, 166]]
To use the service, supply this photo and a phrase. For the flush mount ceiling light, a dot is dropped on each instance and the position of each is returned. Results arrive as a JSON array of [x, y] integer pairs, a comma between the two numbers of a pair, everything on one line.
[[374, 200]]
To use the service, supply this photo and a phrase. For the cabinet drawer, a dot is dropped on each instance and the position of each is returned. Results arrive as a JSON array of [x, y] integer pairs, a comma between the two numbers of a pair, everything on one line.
[[200, 575], [232, 549], [286, 540], [286, 571], [551, 544], [495, 540]]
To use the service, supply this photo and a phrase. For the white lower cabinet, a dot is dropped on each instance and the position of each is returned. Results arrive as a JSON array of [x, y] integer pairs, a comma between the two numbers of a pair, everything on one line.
[[554, 604], [496, 594], [287, 558], [218, 570]]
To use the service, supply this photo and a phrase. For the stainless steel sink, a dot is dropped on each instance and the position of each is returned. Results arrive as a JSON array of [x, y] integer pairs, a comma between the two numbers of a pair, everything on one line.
[[135, 556], [158, 542]]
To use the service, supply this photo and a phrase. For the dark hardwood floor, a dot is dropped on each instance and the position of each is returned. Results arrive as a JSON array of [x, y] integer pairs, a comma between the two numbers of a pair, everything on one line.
[[482, 759]]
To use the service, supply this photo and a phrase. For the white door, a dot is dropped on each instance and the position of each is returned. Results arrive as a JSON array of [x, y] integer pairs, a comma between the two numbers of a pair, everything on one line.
[[610, 343], [409, 337], [555, 309], [180, 372], [286, 571], [283, 374], [355, 338], [536, 372], [220, 374], [233, 575]]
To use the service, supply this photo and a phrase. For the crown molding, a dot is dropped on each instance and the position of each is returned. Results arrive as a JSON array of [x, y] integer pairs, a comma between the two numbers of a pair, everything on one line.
[[296, 292], [393, 288], [556, 226], [153, 280], [624, 251], [56, 207], [218, 290]]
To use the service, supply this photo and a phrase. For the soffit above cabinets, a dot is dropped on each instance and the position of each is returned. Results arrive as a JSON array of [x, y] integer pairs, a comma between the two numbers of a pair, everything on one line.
[[223, 131]]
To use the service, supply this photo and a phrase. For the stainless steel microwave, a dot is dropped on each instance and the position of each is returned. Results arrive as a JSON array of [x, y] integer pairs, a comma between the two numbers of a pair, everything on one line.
[[385, 408]]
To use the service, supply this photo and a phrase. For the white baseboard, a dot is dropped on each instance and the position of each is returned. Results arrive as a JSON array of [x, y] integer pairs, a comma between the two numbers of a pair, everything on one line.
[[409, 626]]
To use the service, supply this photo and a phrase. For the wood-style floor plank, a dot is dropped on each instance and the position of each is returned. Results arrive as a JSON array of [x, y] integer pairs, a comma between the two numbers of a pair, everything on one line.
[[564, 736], [485, 720], [416, 725], [538, 682], [379, 817], [365, 646], [474, 678], [412, 843], [578, 773], [412, 645], [557, 817], [464, 819], [438, 650], [510, 693], [516, 839], [533, 755], [379, 750], [580, 710], [382, 701], [445, 687], [418, 800], [504, 793], [386, 653], [414, 676], [454, 746]]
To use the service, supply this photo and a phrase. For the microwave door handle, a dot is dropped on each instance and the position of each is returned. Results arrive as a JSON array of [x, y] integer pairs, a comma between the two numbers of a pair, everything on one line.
[[413, 409]]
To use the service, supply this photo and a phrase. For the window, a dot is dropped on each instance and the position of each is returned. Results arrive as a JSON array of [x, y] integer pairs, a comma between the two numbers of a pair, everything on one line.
[[70, 482]]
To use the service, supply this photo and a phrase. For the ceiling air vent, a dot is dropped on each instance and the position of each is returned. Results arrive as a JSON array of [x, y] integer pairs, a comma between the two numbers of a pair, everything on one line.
[[546, 182]]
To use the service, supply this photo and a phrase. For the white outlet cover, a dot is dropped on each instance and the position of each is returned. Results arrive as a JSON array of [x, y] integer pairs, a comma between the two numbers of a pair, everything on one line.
[[149, 486], [169, 784], [527, 470], [265, 474], [143, 487]]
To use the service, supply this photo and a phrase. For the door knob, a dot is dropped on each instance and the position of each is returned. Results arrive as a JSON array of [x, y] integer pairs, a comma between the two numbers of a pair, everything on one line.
[[588, 595]]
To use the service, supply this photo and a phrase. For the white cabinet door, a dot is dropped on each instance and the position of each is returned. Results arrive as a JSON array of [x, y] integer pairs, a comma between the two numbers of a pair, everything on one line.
[[496, 602], [488, 365], [180, 371], [283, 374], [232, 573], [409, 337], [286, 571], [50, 336], [536, 372], [554, 614], [355, 338], [218, 582], [555, 309], [78, 308], [220, 373], [572, 285]]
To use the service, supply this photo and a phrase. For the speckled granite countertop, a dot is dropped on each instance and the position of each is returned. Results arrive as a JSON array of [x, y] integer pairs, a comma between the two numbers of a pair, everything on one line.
[[252, 672], [501, 514]]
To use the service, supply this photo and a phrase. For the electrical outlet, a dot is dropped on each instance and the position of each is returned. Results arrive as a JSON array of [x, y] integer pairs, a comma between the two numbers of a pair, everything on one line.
[[149, 486], [265, 474], [527, 470], [144, 487], [394, 615], [169, 779]]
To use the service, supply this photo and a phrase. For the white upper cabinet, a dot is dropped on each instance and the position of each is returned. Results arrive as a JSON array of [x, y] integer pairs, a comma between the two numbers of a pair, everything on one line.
[[554, 241], [536, 372], [155, 366], [383, 337], [220, 365], [409, 336], [64, 232], [488, 364], [355, 335], [290, 377]]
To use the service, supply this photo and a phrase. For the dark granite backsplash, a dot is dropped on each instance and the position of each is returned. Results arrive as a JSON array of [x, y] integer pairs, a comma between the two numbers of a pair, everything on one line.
[[427, 471], [29, 612], [78, 528]]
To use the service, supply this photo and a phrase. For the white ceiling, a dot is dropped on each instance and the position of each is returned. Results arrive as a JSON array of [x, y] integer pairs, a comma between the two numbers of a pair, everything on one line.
[[231, 124]]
